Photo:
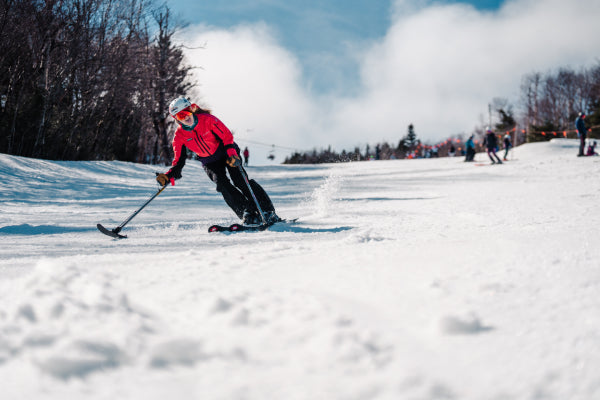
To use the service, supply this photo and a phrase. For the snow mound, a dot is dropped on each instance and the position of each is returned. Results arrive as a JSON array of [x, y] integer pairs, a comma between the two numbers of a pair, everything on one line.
[[64, 317]]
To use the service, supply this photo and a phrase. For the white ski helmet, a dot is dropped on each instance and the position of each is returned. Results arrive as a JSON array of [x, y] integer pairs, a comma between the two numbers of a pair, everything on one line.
[[177, 105]]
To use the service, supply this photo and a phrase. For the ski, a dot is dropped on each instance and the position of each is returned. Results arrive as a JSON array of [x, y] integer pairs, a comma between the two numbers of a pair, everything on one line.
[[246, 228], [237, 228]]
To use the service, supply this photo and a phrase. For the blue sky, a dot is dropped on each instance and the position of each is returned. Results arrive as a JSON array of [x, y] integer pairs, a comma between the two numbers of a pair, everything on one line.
[[321, 33], [308, 74]]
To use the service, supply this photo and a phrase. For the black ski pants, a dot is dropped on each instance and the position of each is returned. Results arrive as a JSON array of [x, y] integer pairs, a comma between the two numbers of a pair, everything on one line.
[[470, 154], [492, 151], [236, 194]]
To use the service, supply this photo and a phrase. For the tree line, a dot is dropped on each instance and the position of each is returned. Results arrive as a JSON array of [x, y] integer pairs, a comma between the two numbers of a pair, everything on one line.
[[91, 79], [548, 106], [382, 151], [88, 79]]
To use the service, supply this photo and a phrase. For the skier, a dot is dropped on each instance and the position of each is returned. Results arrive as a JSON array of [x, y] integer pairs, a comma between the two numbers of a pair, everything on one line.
[[581, 132], [491, 143], [246, 156], [452, 151], [205, 135], [470, 149], [507, 145], [591, 151]]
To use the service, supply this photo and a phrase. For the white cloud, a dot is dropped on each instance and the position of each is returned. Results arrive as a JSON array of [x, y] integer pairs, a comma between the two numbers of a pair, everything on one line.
[[251, 83], [437, 67]]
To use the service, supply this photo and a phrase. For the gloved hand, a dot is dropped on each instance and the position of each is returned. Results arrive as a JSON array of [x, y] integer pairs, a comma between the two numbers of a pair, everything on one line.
[[234, 161], [162, 179]]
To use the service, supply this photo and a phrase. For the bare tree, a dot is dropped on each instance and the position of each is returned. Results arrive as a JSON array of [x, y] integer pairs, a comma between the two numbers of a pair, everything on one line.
[[169, 80], [552, 102], [80, 79], [530, 94]]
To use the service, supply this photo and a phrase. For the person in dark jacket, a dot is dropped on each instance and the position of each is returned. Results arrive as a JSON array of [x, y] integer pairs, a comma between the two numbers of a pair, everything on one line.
[[491, 143], [581, 132], [246, 156], [507, 145], [470, 149], [205, 135]]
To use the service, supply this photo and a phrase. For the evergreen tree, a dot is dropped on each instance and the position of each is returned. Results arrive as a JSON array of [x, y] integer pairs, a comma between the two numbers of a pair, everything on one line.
[[410, 140], [507, 120]]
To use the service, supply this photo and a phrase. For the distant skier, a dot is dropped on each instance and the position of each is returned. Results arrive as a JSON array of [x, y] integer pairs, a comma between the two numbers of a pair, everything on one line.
[[581, 132], [491, 143], [452, 151], [591, 151], [205, 135], [470, 147], [507, 145], [246, 156]]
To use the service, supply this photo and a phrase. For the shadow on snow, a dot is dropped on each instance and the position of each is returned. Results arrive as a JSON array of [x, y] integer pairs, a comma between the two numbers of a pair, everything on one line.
[[26, 229]]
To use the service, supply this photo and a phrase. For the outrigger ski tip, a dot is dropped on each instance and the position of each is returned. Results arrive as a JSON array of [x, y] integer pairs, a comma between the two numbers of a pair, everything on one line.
[[112, 233]]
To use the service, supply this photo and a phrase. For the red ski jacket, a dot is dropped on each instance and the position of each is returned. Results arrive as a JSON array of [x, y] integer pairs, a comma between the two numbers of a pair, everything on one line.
[[210, 139]]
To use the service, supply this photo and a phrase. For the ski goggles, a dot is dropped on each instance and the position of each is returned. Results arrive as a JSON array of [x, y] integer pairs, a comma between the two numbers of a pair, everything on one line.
[[182, 115]]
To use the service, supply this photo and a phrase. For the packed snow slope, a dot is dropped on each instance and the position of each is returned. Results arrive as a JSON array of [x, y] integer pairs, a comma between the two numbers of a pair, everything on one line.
[[409, 279]]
